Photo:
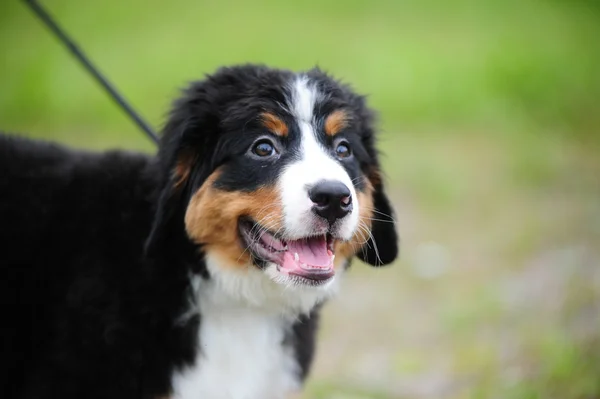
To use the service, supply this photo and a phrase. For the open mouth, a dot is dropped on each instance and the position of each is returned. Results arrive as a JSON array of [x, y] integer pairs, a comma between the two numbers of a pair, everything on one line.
[[310, 258]]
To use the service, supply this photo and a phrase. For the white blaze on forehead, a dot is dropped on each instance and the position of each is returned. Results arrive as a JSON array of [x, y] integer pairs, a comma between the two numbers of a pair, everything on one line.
[[304, 98], [314, 163]]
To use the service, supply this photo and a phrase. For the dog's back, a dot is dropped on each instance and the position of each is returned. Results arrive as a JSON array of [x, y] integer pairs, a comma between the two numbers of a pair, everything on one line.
[[72, 227]]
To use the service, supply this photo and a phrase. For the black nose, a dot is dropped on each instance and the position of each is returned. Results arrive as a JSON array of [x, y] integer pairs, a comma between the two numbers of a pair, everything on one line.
[[332, 199]]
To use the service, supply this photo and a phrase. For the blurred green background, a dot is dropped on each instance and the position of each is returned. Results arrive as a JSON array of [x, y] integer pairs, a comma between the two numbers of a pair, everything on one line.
[[490, 126]]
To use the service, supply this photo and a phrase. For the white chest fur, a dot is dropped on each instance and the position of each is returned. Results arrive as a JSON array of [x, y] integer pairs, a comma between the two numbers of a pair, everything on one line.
[[245, 317], [241, 355]]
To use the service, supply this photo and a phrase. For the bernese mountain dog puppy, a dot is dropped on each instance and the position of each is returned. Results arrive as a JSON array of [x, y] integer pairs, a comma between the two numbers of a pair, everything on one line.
[[198, 272]]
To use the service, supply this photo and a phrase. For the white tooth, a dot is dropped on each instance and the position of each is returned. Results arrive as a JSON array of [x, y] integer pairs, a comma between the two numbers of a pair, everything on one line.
[[332, 258], [296, 256]]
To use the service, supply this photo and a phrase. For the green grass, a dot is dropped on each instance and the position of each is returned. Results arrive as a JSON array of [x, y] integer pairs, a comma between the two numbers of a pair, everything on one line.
[[502, 67], [490, 131]]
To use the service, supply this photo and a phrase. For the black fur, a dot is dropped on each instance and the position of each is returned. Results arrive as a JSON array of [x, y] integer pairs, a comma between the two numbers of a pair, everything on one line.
[[94, 259], [81, 315]]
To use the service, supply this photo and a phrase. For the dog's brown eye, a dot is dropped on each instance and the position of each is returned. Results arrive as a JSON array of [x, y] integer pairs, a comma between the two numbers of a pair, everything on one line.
[[263, 148], [343, 150]]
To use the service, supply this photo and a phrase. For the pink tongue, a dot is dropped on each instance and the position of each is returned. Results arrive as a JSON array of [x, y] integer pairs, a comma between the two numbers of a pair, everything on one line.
[[311, 253]]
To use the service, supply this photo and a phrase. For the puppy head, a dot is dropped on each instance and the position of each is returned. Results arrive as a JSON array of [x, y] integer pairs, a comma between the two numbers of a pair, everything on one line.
[[273, 176]]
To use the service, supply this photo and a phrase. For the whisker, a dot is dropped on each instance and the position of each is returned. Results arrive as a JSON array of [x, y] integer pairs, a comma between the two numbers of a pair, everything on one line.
[[380, 213], [379, 220], [375, 248]]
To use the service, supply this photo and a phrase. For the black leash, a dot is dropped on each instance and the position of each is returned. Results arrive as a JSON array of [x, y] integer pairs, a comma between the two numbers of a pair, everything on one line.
[[47, 19]]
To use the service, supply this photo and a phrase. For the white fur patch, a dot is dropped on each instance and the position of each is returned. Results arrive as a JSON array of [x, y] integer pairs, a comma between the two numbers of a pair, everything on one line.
[[313, 165], [304, 98]]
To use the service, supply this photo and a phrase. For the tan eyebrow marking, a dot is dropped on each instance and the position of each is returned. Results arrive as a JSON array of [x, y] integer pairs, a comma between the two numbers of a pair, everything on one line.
[[336, 121], [274, 124]]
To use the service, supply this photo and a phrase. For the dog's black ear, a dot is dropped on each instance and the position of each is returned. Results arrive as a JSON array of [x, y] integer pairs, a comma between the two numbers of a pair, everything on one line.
[[189, 152], [174, 171], [182, 163], [382, 247]]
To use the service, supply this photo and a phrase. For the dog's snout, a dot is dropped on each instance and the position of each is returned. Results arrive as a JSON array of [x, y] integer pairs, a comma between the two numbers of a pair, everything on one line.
[[332, 199]]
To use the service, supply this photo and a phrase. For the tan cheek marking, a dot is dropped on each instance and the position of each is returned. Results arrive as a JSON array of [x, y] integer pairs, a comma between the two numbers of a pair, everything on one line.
[[335, 122], [274, 124], [345, 250], [211, 218]]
